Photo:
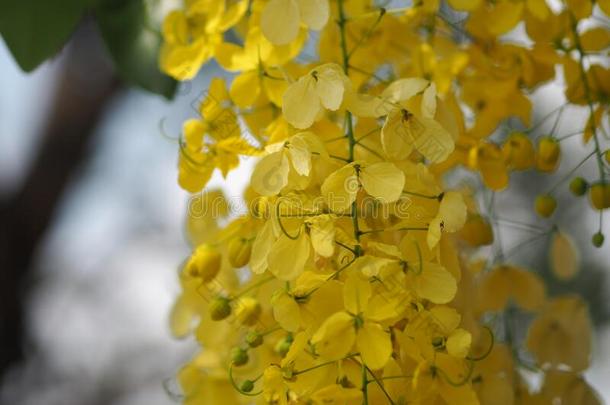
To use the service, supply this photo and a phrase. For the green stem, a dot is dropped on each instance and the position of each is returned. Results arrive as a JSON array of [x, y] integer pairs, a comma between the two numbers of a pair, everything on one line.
[[365, 392], [348, 115], [587, 88], [380, 386]]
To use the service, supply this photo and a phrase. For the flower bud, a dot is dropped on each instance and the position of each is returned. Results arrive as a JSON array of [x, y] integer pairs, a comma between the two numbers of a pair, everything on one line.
[[598, 239], [247, 310], [254, 339], [477, 231], [545, 205], [283, 346], [204, 263], [548, 155], [239, 356], [519, 152], [578, 186], [247, 386], [600, 195], [239, 252], [220, 308]]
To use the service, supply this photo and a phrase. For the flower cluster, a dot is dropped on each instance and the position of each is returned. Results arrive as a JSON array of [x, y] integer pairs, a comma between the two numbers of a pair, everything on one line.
[[353, 277]]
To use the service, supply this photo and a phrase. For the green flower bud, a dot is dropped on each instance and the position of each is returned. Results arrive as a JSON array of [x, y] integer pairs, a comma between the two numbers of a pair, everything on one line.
[[545, 205], [578, 186], [283, 346], [220, 308], [247, 386], [254, 339], [598, 239], [239, 356]]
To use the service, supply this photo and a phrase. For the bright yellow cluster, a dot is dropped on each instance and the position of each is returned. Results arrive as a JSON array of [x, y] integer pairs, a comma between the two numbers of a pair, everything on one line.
[[352, 278]]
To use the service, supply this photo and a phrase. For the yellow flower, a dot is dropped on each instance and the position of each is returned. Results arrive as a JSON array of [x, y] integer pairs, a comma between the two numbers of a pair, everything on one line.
[[191, 35], [281, 19], [335, 338], [561, 335], [322, 88]]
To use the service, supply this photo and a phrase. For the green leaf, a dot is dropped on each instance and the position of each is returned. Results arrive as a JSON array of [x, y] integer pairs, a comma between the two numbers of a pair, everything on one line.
[[35, 30], [134, 44]]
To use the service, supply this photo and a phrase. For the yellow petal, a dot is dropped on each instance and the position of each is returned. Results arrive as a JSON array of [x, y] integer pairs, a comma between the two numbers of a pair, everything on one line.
[[431, 139], [404, 89], [314, 13], [301, 104], [271, 174], [329, 85], [428, 104], [452, 211], [538, 8], [300, 156], [435, 284], [374, 345], [245, 89], [356, 294], [458, 343], [261, 248], [580, 8], [561, 335], [335, 394], [564, 256], [595, 39], [395, 141], [340, 188], [288, 257], [370, 266], [528, 289], [286, 311], [383, 181], [335, 338], [280, 21], [322, 234]]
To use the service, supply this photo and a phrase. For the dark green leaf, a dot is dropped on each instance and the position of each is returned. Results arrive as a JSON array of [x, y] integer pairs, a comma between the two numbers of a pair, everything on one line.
[[134, 44], [35, 30]]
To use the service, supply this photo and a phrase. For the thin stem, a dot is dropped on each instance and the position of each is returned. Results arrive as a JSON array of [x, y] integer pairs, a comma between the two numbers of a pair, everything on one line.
[[349, 356], [371, 132], [348, 115], [380, 385], [344, 246], [571, 172], [365, 391], [254, 286], [587, 88], [371, 150], [430, 197], [368, 33]]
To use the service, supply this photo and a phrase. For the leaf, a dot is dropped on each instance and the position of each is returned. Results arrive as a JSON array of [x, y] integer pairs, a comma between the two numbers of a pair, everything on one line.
[[133, 45], [35, 30]]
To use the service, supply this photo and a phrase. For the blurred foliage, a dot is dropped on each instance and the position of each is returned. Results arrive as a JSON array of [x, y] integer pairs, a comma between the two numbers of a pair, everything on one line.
[[36, 30]]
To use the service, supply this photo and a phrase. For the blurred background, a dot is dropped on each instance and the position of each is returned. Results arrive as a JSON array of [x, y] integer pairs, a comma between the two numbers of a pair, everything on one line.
[[92, 235], [91, 230]]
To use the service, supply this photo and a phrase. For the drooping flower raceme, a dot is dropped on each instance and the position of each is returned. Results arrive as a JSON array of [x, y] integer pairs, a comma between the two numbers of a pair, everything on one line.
[[355, 276]]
